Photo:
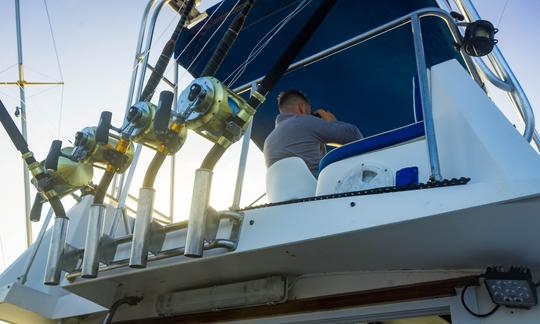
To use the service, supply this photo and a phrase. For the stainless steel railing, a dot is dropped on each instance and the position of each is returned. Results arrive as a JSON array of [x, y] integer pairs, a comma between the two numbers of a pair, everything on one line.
[[412, 18], [503, 78]]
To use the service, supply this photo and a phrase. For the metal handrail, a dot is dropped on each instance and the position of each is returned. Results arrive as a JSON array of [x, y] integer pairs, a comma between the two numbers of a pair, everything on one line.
[[504, 76], [141, 73], [378, 31]]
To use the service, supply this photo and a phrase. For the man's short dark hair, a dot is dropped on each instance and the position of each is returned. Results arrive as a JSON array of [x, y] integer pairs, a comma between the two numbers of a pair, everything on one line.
[[288, 94]]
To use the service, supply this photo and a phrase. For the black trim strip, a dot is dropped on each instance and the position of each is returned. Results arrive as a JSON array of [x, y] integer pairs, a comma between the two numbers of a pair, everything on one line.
[[428, 185]]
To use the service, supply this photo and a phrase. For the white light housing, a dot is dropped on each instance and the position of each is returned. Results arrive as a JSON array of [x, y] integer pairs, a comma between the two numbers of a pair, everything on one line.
[[271, 290]]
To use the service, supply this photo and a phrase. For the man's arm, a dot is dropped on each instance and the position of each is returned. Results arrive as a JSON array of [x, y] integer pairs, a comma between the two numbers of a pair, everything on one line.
[[330, 130]]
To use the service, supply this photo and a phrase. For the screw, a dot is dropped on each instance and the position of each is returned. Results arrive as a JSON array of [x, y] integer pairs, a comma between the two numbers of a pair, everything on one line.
[[353, 204], [251, 222]]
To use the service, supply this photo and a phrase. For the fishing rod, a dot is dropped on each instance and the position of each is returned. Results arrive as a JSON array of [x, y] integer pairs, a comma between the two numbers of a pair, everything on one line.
[[54, 178], [166, 54], [222, 116]]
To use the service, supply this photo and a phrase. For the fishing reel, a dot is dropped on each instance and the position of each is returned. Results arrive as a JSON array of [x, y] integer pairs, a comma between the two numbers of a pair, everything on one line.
[[58, 175], [211, 109], [95, 145], [150, 124]]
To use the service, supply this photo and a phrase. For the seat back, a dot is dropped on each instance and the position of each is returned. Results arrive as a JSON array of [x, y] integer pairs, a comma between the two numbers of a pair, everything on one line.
[[288, 179]]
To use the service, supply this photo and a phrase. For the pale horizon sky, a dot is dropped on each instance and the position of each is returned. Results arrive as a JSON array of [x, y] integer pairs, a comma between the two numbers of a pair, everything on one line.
[[96, 42]]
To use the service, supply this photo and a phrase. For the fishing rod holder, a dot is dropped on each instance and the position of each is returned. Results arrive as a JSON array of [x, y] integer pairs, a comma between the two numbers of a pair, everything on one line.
[[141, 234], [53, 268], [220, 115], [94, 232], [152, 126]]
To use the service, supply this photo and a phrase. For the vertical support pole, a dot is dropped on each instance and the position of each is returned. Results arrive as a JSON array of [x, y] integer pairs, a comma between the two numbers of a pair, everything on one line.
[[24, 131], [242, 168], [425, 99], [138, 148], [35, 247], [173, 157]]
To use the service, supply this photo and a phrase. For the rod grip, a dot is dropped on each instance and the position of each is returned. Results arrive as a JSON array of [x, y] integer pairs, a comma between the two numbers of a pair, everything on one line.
[[163, 111], [51, 161]]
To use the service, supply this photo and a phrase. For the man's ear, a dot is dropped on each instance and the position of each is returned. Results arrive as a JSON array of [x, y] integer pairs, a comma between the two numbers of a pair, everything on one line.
[[302, 108]]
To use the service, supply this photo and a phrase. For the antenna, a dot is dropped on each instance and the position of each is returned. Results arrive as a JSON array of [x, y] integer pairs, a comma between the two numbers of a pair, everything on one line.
[[22, 84]]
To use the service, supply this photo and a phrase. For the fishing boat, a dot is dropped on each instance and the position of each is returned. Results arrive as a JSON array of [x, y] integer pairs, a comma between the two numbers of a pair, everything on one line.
[[430, 218]]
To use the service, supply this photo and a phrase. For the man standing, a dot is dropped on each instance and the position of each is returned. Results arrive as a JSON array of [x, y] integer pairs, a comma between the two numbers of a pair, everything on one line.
[[299, 133]]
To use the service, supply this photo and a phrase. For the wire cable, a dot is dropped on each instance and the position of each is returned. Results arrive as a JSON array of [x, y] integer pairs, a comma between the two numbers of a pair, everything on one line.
[[256, 51], [502, 13], [258, 48], [469, 310], [208, 41], [61, 110], [8, 68]]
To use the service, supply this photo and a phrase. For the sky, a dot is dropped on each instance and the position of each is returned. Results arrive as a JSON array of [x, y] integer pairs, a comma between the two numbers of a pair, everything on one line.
[[96, 42]]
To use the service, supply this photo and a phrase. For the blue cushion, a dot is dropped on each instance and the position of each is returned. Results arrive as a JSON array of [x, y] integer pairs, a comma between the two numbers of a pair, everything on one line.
[[368, 144]]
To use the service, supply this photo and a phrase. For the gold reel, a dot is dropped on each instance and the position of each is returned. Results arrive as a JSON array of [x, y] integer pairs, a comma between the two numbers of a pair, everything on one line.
[[211, 109]]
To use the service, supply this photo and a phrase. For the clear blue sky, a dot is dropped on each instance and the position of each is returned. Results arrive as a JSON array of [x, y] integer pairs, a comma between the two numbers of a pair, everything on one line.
[[96, 41]]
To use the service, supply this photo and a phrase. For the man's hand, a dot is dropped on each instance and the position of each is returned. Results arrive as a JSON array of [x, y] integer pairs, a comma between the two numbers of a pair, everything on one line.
[[326, 115]]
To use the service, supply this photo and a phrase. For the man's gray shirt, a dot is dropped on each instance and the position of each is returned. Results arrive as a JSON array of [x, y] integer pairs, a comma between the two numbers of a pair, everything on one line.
[[304, 136]]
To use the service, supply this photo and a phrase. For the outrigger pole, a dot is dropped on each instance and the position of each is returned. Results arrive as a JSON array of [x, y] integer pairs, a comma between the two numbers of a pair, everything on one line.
[[22, 84]]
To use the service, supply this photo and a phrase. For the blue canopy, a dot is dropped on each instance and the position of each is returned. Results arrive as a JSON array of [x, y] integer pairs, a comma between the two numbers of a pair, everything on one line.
[[369, 84]]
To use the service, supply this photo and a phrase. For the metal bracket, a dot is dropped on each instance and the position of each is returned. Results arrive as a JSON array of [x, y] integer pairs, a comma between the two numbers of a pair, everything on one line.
[[157, 238], [107, 249], [72, 258]]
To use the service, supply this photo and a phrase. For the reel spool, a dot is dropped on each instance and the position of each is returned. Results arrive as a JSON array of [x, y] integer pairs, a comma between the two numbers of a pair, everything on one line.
[[214, 111], [91, 148], [64, 176], [150, 124], [68, 175]]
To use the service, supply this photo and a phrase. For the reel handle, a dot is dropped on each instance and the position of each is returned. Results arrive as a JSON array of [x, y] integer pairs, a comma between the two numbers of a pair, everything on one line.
[[37, 206], [103, 127], [51, 161], [163, 111]]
